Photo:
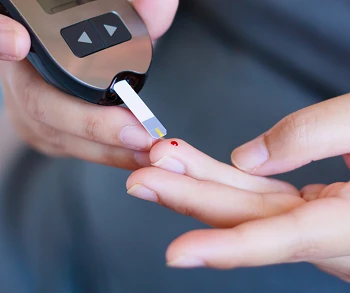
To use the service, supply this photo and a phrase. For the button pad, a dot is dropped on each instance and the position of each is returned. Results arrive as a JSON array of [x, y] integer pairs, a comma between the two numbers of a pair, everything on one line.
[[83, 39], [111, 29], [96, 34]]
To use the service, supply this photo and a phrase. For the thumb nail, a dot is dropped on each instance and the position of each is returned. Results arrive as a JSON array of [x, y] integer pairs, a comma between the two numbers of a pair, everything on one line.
[[251, 155]]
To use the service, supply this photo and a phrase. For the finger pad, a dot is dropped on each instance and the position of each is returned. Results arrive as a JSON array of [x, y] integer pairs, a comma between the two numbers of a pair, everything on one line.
[[168, 147], [157, 14], [22, 36], [187, 244]]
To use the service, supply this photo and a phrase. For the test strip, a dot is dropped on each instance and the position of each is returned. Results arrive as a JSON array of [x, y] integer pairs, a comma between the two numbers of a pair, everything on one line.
[[133, 101]]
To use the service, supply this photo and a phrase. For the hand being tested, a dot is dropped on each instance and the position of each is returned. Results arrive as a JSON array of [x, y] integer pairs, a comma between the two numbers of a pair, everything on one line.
[[268, 221], [61, 125]]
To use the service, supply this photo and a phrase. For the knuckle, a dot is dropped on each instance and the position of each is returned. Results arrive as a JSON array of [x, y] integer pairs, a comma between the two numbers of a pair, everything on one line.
[[49, 150], [51, 136], [303, 248], [113, 156], [24, 131], [184, 209], [344, 190], [343, 275], [298, 127], [182, 204], [338, 270], [33, 104], [339, 189], [188, 205], [241, 235], [110, 157], [257, 207], [92, 126], [29, 138]]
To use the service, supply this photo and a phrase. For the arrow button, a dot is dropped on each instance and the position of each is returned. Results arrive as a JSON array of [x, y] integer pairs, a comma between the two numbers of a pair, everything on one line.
[[110, 29], [84, 38]]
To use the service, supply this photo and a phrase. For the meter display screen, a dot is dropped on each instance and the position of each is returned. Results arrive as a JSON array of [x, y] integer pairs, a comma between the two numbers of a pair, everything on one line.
[[55, 6]]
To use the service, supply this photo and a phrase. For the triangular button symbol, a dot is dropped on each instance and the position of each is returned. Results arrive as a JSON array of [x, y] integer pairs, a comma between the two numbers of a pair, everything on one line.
[[110, 29], [84, 38]]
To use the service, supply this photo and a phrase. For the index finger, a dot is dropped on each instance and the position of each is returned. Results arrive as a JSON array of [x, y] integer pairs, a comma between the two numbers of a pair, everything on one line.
[[114, 126], [184, 159]]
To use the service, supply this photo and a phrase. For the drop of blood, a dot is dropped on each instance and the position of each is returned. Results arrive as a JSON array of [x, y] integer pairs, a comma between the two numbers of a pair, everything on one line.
[[174, 143]]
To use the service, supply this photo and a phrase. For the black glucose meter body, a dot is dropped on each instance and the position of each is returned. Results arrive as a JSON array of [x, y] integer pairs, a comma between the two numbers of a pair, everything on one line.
[[83, 47]]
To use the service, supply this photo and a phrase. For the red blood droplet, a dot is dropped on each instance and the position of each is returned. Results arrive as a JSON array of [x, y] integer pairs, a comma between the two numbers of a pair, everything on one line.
[[174, 143]]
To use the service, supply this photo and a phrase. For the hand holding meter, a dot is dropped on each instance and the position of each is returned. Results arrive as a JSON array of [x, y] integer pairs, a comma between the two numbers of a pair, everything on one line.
[[97, 50]]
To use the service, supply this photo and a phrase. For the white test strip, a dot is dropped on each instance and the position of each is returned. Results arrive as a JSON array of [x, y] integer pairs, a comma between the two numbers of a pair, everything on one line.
[[133, 101]]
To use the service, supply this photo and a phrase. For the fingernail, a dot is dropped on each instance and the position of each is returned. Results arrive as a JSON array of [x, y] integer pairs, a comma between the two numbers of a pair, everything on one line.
[[170, 164], [136, 137], [142, 192], [142, 159], [186, 263], [8, 43], [251, 155]]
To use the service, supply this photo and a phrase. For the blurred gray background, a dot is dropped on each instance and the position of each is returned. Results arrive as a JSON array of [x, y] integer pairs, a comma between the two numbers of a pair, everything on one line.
[[224, 73]]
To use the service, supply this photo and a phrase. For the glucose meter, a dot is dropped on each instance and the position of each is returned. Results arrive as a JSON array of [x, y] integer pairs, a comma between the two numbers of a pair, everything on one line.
[[87, 47]]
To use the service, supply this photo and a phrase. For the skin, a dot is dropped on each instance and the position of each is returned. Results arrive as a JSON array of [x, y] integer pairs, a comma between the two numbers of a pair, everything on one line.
[[256, 221], [61, 125], [311, 134]]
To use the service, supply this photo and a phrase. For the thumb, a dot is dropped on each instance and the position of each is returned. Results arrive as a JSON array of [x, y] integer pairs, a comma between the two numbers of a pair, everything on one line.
[[14, 40], [157, 14], [311, 134]]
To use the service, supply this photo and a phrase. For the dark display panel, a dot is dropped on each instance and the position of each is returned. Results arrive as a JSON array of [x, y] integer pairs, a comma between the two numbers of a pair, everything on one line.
[[54, 6]]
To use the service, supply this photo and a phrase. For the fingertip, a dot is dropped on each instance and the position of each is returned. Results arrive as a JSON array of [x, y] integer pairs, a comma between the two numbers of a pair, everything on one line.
[[157, 14], [14, 40], [185, 246], [133, 179], [23, 42], [168, 148], [201, 248], [250, 156], [140, 176]]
